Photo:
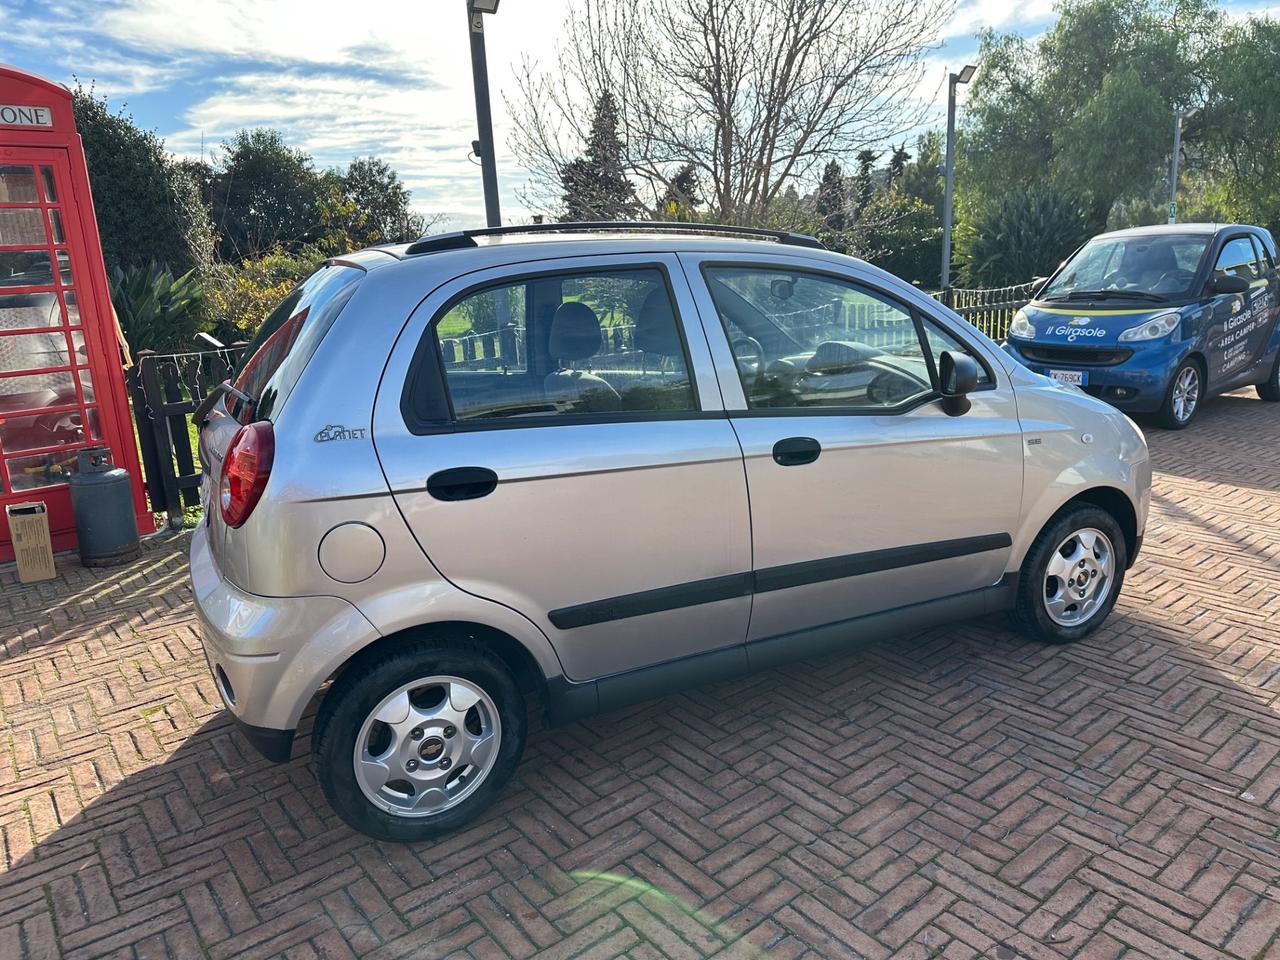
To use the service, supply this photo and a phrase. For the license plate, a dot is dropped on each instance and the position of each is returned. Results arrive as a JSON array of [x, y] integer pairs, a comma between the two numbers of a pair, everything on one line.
[[1077, 377]]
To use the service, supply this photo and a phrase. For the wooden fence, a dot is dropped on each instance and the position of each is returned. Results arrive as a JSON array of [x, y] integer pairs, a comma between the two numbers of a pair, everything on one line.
[[165, 389]]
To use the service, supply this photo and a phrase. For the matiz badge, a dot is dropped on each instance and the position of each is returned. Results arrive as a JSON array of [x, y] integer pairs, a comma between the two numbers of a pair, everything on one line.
[[336, 431]]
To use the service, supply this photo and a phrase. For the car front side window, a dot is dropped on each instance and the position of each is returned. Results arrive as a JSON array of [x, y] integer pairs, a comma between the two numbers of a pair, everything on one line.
[[1237, 260], [802, 339]]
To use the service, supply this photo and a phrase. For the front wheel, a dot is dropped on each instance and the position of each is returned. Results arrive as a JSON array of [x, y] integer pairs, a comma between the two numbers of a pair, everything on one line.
[[1182, 399], [1072, 576], [416, 742]]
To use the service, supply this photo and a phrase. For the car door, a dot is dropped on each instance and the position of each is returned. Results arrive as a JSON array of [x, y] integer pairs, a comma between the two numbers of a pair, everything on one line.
[[1240, 323], [865, 495], [556, 442]]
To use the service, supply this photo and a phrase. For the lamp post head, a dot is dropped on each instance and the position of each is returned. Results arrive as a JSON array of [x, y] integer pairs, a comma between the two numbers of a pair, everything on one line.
[[482, 6], [965, 74]]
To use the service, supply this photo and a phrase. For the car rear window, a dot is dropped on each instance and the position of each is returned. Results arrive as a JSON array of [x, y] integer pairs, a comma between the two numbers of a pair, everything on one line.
[[289, 336]]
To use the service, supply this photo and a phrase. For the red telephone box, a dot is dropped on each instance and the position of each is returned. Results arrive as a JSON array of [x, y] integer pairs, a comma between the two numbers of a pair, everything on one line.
[[61, 380]]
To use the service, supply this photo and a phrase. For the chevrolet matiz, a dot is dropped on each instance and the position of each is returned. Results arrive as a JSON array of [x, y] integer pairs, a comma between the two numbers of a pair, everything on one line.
[[1155, 319], [585, 465]]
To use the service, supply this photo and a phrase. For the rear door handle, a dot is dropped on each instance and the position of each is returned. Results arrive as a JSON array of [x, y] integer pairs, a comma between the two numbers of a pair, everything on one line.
[[796, 451], [462, 483]]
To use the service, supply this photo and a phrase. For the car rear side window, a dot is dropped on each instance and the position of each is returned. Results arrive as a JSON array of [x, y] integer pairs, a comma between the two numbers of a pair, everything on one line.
[[288, 338], [603, 342]]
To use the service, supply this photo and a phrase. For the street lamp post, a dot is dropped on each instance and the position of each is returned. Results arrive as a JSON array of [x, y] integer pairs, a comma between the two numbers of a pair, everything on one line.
[[964, 76], [476, 10], [1178, 117]]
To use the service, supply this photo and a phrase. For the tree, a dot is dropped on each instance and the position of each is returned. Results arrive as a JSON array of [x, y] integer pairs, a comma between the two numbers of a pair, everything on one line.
[[864, 183], [832, 197], [380, 195], [1240, 125], [148, 207], [682, 196], [263, 194], [756, 93], [595, 185], [898, 161], [1089, 106], [922, 178], [1025, 234]]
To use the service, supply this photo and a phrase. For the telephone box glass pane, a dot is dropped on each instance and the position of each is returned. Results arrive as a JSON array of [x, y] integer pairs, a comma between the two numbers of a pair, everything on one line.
[[77, 345], [19, 311], [50, 190], [22, 227], [73, 309], [25, 268], [17, 184], [64, 267], [33, 351], [41, 470], [86, 384], [95, 425], [41, 430], [55, 224], [36, 390]]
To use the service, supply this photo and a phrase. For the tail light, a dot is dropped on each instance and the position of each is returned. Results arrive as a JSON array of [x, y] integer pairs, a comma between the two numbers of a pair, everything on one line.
[[245, 471]]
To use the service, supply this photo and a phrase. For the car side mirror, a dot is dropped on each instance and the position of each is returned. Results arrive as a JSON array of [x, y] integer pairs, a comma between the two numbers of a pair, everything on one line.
[[1037, 285], [958, 373], [1229, 283]]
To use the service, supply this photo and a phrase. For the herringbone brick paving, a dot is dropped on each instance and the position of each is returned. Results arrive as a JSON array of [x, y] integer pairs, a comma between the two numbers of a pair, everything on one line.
[[959, 793]]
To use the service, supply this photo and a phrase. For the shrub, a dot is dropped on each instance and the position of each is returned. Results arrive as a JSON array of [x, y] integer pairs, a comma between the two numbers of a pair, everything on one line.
[[239, 296], [157, 311], [1025, 234]]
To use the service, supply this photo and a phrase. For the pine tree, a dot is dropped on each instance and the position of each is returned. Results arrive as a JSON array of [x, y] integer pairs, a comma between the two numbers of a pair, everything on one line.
[[595, 185], [832, 197], [864, 187], [897, 163], [682, 196]]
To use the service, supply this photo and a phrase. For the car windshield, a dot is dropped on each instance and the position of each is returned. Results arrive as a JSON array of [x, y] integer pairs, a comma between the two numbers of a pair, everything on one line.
[[1155, 267]]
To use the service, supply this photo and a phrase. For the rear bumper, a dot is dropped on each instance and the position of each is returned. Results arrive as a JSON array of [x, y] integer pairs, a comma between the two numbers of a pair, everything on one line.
[[1136, 385], [269, 655]]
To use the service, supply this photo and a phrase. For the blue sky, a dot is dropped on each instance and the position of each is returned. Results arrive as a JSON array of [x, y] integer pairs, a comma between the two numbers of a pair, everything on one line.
[[389, 77]]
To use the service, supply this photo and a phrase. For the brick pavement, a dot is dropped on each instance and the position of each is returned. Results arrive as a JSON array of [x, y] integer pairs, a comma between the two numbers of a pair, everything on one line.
[[958, 793]]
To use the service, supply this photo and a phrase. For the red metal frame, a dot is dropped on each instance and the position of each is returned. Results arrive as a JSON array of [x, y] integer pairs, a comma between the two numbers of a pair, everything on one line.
[[59, 148]]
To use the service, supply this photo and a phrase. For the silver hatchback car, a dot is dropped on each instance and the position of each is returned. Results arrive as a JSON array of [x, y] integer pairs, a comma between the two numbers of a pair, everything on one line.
[[597, 463]]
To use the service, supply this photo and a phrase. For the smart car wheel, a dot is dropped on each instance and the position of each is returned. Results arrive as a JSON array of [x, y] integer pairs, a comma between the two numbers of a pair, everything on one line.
[[1071, 576], [1182, 399], [1271, 389], [416, 742]]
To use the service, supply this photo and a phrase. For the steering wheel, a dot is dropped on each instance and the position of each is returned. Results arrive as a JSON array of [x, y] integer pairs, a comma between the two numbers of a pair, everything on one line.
[[1179, 278], [749, 354]]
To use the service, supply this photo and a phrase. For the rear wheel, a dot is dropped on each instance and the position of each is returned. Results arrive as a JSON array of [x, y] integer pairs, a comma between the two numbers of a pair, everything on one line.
[[416, 742], [1271, 389], [1182, 399], [1072, 576]]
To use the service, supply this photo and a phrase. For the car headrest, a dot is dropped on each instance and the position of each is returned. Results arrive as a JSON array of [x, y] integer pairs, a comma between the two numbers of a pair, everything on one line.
[[839, 356], [655, 330], [575, 332]]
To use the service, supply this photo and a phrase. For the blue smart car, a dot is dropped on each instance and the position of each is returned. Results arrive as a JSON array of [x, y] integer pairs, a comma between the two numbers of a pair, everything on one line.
[[1154, 319]]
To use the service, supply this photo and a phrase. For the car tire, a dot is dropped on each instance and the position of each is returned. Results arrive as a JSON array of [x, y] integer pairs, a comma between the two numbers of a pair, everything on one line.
[[1270, 391], [420, 714], [1183, 396], [1086, 542]]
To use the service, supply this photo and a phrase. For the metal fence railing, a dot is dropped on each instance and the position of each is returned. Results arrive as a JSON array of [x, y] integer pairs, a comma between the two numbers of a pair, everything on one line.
[[990, 310]]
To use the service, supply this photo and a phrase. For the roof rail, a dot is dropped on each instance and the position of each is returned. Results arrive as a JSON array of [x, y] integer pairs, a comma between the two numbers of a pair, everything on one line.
[[461, 239]]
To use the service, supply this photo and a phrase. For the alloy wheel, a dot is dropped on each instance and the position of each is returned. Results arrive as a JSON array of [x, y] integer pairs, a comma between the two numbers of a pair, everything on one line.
[[427, 746], [1078, 577], [1186, 393]]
